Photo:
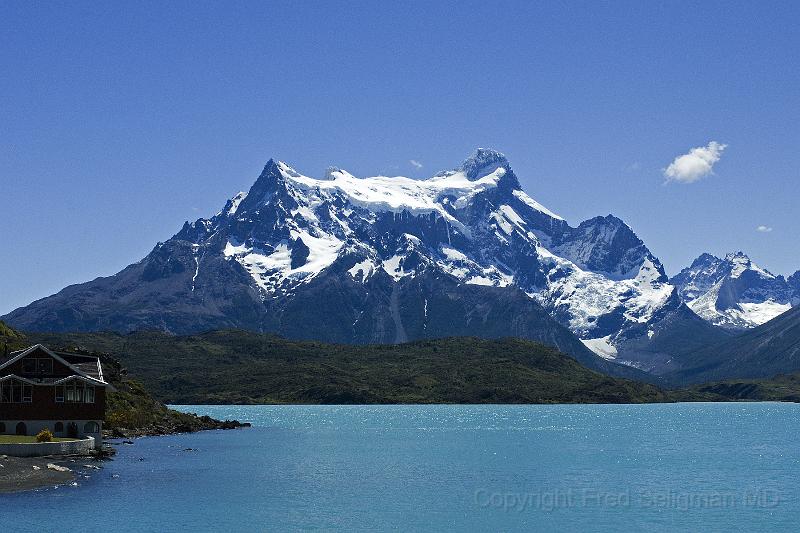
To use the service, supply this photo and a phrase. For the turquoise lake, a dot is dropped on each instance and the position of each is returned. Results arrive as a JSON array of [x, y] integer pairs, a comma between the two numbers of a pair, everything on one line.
[[670, 467]]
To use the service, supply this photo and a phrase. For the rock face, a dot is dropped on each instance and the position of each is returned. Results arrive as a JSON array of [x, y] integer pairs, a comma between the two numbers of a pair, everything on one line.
[[734, 292], [761, 352], [384, 260]]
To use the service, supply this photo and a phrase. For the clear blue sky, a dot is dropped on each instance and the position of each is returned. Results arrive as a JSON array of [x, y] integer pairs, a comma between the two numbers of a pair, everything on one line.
[[119, 122]]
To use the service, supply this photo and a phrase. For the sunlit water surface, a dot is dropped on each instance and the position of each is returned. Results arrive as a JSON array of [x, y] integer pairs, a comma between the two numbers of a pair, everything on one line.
[[712, 467]]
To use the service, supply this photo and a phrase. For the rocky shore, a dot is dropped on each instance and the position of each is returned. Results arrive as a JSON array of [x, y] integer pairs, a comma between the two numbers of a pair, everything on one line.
[[170, 425], [27, 473], [19, 474]]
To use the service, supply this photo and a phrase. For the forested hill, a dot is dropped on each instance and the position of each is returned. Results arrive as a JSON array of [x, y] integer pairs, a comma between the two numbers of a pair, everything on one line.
[[234, 366], [131, 410]]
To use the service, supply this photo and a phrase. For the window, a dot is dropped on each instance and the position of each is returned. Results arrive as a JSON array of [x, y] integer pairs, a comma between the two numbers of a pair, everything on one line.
[[2, 427], [91, 427], [75, 392], [59, 427], [40, 365], [15, 391], [29, 365], [44, 366]]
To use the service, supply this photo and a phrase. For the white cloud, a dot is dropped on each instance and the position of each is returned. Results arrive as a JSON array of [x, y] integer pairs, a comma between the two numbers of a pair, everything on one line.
[[697, 164], [416, 164], [764, 229]]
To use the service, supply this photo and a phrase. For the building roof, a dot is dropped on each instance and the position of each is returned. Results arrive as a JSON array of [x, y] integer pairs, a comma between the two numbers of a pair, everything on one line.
[[87, 367]]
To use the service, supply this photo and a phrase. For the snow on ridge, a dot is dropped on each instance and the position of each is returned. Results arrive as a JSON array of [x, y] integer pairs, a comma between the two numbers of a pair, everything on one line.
[[399, 193], [320, 214], [718, 291], [602, 346], [741, 263], [524, 198], [363, 268], [744, 315], [235, 201], [270, 269]]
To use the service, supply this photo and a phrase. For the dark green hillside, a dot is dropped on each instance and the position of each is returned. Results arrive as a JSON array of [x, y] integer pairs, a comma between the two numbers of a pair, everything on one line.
[[132, 410], [782, 388], [234, 366], [10, 339], [768, 350]]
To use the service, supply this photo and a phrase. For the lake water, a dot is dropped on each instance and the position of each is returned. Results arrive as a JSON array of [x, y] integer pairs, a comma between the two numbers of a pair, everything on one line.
[[711, 467]]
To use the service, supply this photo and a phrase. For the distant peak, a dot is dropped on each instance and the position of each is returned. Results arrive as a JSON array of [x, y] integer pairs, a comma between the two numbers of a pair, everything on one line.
[[608, 220], [333, 173], [483, 159], [286, 168], [270, 167], [737, 257], [275, 168], [705, 259], [330, 171]]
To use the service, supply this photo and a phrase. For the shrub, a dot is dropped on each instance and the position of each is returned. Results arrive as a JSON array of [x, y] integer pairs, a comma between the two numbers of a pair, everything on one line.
[[44, 435]]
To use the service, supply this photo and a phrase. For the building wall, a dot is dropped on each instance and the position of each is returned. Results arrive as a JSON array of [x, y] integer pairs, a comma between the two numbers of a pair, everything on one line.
[[59, 369], [44, 407], [43, 411], [33, 427], [75, 447]]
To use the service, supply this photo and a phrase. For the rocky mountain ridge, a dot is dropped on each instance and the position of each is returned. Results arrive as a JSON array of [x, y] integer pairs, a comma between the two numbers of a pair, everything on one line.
[[391, 259]]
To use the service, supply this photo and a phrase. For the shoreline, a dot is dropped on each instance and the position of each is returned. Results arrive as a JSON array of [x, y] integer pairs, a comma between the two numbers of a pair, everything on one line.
[[309, 404], [168, 427], [21, 474], [24, 474]]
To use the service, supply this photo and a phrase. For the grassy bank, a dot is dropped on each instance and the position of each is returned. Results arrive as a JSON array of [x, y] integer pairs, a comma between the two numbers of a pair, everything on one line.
[[25, 439]]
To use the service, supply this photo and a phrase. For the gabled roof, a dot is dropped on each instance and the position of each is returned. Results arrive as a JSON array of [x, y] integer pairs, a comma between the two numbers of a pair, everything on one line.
[[84, 370], [16, 377], [81, 378]]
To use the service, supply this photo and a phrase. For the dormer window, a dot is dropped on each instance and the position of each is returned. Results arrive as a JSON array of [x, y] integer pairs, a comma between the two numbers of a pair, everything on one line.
[[44, 366], [40, 365], [29, 365]]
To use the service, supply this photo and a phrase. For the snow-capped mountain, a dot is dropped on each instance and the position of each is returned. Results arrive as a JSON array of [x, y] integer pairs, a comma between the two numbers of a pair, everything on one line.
[[735, 293], [474, 223], [386, 259]]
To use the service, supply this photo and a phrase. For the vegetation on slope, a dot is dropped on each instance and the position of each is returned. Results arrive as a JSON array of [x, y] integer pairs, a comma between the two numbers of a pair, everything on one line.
[[131, 410], [781, 388], [762, 352], [242, 367], [10, 339], [234, 366]]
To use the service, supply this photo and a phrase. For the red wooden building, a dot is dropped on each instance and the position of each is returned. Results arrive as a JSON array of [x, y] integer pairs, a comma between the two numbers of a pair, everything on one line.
[[63, 392]]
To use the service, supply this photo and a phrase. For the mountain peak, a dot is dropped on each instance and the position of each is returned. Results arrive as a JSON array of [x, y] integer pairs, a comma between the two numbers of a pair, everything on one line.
[[271, 167], [330, 173], [483, 159], [737, 256], [705, 259], [734, 292]]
